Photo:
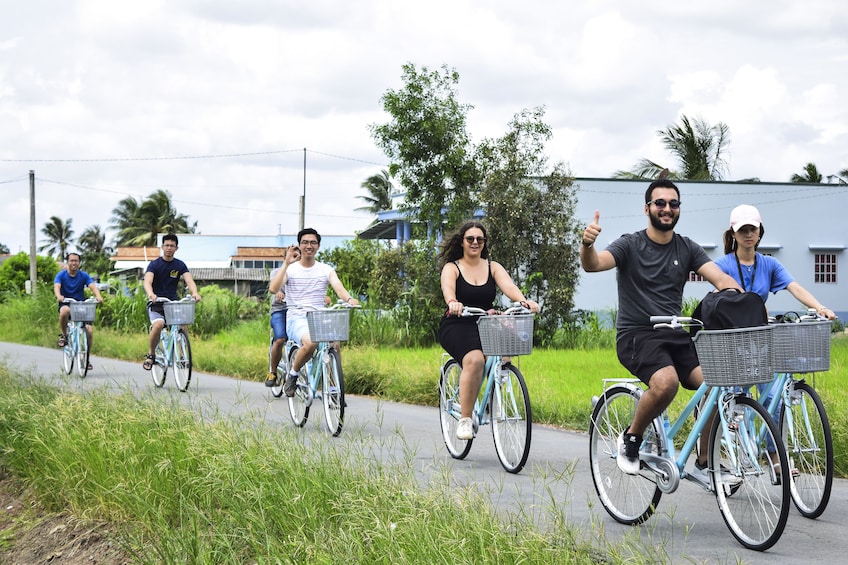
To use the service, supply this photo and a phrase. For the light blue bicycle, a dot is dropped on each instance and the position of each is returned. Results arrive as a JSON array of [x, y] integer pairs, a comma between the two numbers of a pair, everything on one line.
[[174, 348], [76, 346]]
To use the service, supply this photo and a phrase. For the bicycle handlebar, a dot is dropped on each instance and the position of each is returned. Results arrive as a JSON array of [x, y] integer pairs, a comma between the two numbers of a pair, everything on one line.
[[68, 300], [674, 322], [516, 308], [165, 299], [338, 305]]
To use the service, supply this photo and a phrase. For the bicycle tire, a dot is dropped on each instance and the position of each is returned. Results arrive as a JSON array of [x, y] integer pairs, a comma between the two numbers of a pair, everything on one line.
[[629, 499], [511, 418], [332, 393], [68, 352], [281, 370], [299, 403], [159, 370], [752, 502], [809, 448], [182, 360], [82, 352], [449, 410]]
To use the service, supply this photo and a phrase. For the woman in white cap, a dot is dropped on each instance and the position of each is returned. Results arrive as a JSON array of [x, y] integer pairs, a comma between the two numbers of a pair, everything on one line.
[[754, 271]]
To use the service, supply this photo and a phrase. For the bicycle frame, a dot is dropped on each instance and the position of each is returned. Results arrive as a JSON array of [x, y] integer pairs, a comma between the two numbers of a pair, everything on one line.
[[479, 414]]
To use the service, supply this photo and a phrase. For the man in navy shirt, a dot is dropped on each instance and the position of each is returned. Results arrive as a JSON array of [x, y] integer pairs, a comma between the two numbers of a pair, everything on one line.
[[71, 283], [162, 278]]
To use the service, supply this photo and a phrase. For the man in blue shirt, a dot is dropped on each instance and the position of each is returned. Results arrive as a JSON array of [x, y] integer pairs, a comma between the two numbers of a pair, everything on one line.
[[71, 283]]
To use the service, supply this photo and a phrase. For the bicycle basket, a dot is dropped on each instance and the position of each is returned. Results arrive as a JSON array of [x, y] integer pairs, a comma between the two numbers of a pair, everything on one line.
[[506, 335], [82, 311], [181, 313], [328, 325], [737, 357], [802, 347]]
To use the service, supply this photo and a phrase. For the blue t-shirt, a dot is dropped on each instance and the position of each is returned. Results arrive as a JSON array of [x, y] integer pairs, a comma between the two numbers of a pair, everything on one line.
[[166, 276], [768, 274], [73, 287]]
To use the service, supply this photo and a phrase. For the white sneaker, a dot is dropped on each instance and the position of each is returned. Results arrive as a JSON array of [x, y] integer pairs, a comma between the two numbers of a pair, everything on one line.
[[628, 453], [465, 429], [703, 474]]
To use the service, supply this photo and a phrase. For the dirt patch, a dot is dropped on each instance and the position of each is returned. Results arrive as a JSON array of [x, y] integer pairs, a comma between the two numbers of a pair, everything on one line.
[[30, 535]]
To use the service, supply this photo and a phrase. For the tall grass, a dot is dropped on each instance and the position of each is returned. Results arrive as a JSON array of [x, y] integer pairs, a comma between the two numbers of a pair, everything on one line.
[[179, 490]]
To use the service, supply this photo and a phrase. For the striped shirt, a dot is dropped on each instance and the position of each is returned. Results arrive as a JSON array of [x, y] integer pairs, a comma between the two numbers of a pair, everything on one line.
[[306, 286]]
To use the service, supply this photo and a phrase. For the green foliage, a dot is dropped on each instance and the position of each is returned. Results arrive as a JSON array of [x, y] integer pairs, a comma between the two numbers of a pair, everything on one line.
[[530, 218], [429, 146], [58, 236], [584, 330], [139, 222], [354, 263], [4, 249], [14, 272]]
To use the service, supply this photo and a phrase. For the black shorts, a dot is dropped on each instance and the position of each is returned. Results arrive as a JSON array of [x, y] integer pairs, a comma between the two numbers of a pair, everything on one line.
[[644, 352]]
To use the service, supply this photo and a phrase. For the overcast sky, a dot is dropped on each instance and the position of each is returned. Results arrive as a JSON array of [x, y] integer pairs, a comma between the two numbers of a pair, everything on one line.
[[216, 100]]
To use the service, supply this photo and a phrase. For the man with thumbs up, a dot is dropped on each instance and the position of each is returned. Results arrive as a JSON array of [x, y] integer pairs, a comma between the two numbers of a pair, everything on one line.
[[652, 266]]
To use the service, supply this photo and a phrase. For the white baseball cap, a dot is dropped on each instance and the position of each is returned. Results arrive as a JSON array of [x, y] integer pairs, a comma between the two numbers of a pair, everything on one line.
[[745, 215]]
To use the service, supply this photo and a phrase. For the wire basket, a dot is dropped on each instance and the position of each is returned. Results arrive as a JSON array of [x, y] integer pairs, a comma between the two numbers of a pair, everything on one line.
[[737, 357], [802, 347], [83, 311], [506, 335], [328, 325], [181, 313]]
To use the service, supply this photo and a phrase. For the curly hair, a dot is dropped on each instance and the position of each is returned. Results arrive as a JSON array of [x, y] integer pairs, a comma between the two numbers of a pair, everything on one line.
[[452, 245]]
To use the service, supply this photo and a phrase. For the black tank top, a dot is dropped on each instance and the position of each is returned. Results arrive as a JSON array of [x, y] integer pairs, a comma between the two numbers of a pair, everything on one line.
[[482, 296]]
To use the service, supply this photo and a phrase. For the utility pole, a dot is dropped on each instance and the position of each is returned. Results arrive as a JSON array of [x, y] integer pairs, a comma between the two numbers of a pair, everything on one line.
[[303, 197], [32, 263]]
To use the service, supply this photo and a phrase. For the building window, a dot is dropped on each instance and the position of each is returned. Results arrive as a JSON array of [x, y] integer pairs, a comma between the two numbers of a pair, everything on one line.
[[825, 268], [695, 277]]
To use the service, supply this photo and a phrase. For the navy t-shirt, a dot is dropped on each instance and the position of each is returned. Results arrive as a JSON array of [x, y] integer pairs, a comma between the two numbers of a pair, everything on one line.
[[166, 276]]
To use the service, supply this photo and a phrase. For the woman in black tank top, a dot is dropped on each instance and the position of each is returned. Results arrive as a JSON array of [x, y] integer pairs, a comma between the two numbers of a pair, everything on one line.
[[470, 279]]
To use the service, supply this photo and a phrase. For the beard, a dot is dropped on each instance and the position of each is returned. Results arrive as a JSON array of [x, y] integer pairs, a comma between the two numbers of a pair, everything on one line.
[[657, 223]]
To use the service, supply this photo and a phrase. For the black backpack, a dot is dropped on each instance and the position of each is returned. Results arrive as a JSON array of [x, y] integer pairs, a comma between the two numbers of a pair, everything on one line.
[[728, 309]]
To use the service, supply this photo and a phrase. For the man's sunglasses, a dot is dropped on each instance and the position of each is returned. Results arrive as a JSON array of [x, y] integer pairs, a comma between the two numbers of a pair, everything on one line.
[[662, 203]]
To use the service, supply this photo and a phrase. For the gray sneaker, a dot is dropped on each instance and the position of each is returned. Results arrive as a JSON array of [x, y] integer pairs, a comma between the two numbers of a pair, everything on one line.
[[290, 387]]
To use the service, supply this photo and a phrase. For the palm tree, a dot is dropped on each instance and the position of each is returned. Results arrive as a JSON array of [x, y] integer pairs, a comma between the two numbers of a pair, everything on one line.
[[380, 189], [59, 236], [811, 175], [93, 240], [841, 178], [698, 147], [140, 222]]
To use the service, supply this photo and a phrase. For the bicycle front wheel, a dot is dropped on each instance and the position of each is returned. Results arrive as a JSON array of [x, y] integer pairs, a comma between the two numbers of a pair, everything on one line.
[[82, 352], [160, 364], [299, 403], [182, 360], [511, 418], [449, 410], [809, 445], [68, 352], [281, 370], [629, 499], [753, 501], [332, 393]]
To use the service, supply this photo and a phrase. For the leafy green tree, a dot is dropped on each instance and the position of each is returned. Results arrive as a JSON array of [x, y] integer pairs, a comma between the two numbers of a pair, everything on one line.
[[428, 145], [4, 249], [139, 222], [354, 262], [95, 253], [380, 189], [58, 237], [14, 272], [530, 217], [811, 175], [698, 147]]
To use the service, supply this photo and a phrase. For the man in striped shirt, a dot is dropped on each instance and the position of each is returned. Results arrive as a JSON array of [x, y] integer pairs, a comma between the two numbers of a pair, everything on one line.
[[305, 281]]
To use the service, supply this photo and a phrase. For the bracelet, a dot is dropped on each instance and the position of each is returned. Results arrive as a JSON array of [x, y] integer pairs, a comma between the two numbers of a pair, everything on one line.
[[451, 301], [588, 244]]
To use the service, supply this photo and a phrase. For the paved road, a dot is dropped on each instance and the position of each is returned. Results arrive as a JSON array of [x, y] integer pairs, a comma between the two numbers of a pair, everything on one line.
[[687, 525]]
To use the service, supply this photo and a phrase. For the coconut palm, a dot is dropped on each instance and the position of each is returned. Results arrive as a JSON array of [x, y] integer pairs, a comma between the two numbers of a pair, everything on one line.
[[140, 222], [811, 175], [58, 237], [93, 240], [380, 189], [698, 147]]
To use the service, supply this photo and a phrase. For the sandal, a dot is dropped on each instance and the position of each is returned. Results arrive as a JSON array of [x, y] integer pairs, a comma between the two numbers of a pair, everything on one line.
[[90, 367], [63, 340], [148, 362]]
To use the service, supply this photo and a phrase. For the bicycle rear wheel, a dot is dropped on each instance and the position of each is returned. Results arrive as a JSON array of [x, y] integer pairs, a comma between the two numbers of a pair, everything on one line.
[[68, 352], [805, 430], [629, 499], [332, 393], [511, 418], [753, 501], [299, 403], [449, 410], [281, 370], [182, 360], [82, 352], [160, 364]]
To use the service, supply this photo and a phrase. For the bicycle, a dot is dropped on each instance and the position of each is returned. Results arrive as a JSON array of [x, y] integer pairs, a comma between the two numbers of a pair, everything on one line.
[[321, 376], [752, 500], [504, 400], [174, 348], [802, 347], [76, 344]]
